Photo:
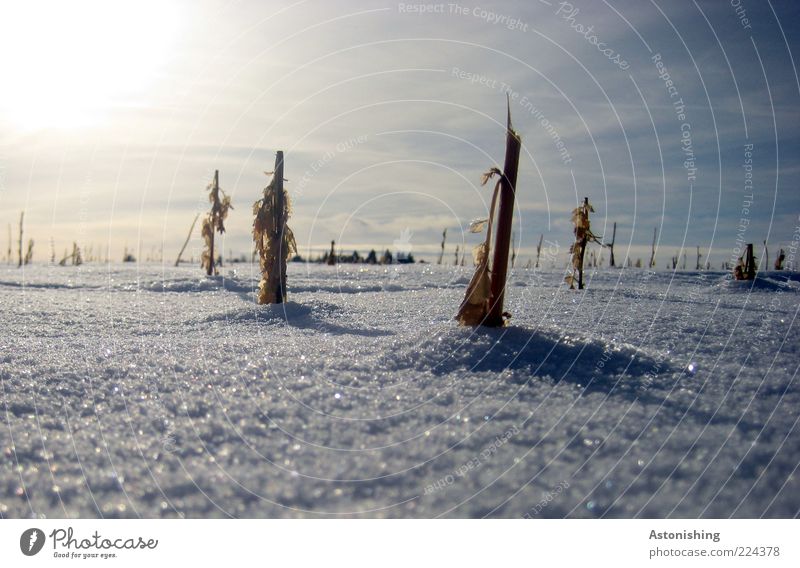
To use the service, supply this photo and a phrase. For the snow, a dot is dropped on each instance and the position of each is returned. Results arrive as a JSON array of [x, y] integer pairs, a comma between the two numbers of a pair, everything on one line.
[[158, 392]]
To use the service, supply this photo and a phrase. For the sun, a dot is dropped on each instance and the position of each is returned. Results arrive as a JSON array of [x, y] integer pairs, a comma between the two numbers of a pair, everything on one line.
[[65, 64]]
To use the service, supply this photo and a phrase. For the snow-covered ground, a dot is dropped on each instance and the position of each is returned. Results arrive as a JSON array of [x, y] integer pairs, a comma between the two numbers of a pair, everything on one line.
[[157, 392]]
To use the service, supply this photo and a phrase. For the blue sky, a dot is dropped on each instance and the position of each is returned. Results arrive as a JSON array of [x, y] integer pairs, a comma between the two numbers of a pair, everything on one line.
[[114, 117]]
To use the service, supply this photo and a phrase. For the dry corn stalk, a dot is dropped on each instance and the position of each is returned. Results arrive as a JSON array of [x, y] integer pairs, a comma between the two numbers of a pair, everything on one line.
[[483, 302], [77, 259], [583, 234], [214, 222], [19, 251], [274, 240], [745, 268], [539, 250], [652, 262], [29, 254], [513, 249], [612, 262], [332, 254], [779, 260]]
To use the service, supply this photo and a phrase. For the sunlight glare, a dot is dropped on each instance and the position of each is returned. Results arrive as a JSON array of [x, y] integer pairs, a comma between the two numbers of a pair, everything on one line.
[[65, 64]]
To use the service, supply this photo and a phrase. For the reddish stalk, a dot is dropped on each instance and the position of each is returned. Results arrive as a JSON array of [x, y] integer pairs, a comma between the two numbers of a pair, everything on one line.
[[505, 218], [483, 302]]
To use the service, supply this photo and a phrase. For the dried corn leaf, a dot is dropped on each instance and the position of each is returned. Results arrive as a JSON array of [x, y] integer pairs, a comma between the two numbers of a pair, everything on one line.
[[583, 235], [475, 307], [207, 232], [478, 225], [490, 174]]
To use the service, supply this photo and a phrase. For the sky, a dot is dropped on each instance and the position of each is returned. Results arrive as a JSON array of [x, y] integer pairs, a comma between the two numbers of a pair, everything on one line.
[[667, 115]]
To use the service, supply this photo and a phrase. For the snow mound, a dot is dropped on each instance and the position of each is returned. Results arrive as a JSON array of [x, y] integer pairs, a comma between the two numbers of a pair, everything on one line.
[[345, 288], [272, 313], [771, 282], [201, 284], [536, 353]]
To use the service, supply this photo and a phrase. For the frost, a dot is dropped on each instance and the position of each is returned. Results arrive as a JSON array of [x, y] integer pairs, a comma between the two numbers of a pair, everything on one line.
[[226, 407]]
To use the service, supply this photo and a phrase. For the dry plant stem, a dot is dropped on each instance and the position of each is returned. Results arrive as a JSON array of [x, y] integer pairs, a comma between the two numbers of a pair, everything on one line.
[[77, 260], [29, 253], [19, 252], [332, 254], [652, 262], [779, 260], [611, 261], [276, 281], [210, 269], [441, 254], [539, 250], [505, 218], [274, 240], [214, 222], [580, 217], [188, 238], [745, 268], [580, 267], [749, 263], [583, 234], [483, 302], [513, 249]]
